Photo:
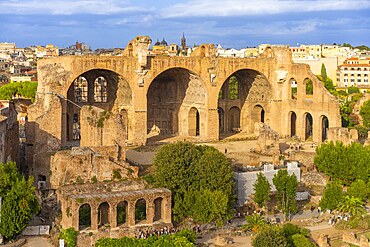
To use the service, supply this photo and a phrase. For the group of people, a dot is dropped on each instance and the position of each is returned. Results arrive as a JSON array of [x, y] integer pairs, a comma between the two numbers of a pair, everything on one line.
[[156, 232]]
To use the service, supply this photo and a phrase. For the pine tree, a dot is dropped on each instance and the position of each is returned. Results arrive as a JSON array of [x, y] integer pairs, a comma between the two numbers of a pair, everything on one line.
[[323, 73]]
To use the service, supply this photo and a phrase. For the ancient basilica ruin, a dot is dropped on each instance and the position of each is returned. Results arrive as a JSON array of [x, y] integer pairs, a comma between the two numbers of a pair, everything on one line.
[[100, 104]]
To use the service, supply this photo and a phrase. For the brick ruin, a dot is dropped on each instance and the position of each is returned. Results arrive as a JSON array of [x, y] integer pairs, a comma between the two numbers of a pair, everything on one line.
[[88, 108]]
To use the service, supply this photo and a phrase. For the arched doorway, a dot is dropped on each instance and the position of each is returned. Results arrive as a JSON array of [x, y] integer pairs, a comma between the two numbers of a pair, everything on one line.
[[308, 126], [234, 119], [324, 128], [84, 216], [170, 98], [221, 120], [140, 211], [257, 116], [293, 124], [193, 122], [103, 214], [122, 213], [158, 209]]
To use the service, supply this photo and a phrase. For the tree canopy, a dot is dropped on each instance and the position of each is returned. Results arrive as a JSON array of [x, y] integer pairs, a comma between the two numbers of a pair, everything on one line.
[[346, 163], [286, 186], [19, 200], [25, 89], [200, 178], [333, 196]]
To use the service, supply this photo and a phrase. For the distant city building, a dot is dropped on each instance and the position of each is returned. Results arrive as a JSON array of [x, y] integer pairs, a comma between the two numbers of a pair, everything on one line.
[[7, 47], [76, 49], [355, 72]]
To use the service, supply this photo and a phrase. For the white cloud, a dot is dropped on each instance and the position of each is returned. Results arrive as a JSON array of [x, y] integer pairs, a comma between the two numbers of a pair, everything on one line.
[[69, 7], [258, 7]]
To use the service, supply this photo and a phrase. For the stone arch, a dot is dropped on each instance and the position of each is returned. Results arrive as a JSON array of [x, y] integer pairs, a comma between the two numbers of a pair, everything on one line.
[[292, 123], [84, 216], [140, 210], [234, 119], [193, 122], [122, 213], [103, 214], [324, 127], [112, 86], [221, 120], [293, 87], [158, 209], [308, 126], [170, 97], [308, 86], [253, 87]]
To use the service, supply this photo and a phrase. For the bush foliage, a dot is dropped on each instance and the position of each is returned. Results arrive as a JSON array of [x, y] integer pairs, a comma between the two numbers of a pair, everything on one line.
[[24, 89]]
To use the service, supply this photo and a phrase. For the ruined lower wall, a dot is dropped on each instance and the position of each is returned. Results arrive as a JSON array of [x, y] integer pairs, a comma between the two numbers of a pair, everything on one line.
[[88, 164]]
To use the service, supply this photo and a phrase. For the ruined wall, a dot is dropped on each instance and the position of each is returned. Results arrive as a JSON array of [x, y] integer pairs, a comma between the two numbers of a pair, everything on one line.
[[88, 165], [266, 80], [9, 134], [345, 135]]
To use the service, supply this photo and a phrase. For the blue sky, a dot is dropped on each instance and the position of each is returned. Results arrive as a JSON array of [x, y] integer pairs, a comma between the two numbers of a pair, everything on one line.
[[231, 23]]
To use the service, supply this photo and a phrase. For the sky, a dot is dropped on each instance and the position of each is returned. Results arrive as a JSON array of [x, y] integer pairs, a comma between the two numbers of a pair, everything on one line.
[[231, 23]]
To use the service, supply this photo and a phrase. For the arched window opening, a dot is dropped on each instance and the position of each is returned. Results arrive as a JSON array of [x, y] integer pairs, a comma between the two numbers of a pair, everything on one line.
[[234, 119], [293, 88], [258, 115], [309, 87], [122, 213], [100, 90], [221, 117], [81, 89], [324, 128], [194, 122], [293, 122], [262, 115], [158, 209], [233, 92], [84, 216], [103, 214], [308, 126], [140, 211]]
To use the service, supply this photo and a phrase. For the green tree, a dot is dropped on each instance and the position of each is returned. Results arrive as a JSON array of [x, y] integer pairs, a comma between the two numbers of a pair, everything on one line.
[[365, 113], [353, 90], [70, 236], [346, 163], [207, 206], [271, 236], [286, 186], [358, 189], [324, 75], [333, 196], [233, 88], [24, 89], [351, 205], [187, 169], [19, 200], [262, 190]]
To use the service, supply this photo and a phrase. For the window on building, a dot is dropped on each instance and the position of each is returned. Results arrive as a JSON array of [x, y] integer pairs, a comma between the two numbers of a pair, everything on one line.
[[358, 80], [80, 86], [359, 69], [366, 80], [100, 89], [352, 80], [345, 80], [345, 74], [358, 75]]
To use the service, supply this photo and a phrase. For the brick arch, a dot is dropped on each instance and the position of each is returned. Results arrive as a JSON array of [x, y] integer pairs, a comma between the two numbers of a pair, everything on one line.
[[170, 97], [254, 88]]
